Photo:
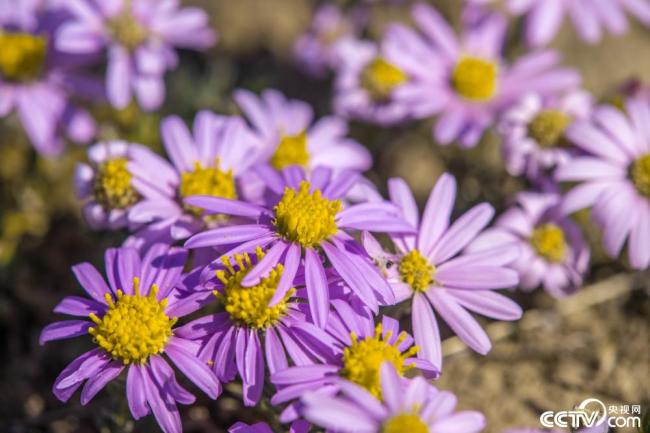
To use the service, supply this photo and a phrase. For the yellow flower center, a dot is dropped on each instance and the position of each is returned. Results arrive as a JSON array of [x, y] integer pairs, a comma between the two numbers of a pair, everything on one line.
[[475, 78], [22, 56], [112, 186], [207, 181], [548, 241], [640, 174], [304, 217], [126, 29], [405, 422], [379, 78], [547, 128], [134, 327], [292, 150], [249, 306], [416, 271], [363, 359]]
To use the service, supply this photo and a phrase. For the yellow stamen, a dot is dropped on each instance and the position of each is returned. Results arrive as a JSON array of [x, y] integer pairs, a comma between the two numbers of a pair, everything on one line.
[[405, 422], [475, 78], [134, 327], [363, 359], [249, 306], [548, 241], [22, 56], [292, 150], [640, 173], [207, 181], [547, 128], [379, 78], [112, 185], [304, 217], [126, 29], [416, 271]]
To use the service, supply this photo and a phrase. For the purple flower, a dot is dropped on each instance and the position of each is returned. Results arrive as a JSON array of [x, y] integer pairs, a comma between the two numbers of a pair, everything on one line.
[[118, 176], [305, 217], [315, 50], [614, 176], [37, 82], [211, 160], [251, 335], [431, 269], [467, 81], [533, 131], [131, 319], [290, 136], [367, 77], [301, 426], [360, 348], [553, 252], [139, 37], [544, 17], [416, 407]]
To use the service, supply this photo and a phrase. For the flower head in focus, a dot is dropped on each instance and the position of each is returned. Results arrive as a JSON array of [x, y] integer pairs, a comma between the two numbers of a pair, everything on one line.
[[360, 348], [533, 132], [412, 406], [139, 37], [131, 320], [289, 135], [432, 270], [268, 332], [212, 160], [544, 17], [614, 176], [553, 252], [467, 81], [304, 219], [38, 82]]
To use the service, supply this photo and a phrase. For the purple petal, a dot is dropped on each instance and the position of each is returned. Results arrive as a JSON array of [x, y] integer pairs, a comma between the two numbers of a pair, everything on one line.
[[179, 144], [118, 77], [291, 264], [435, 219], [98, 381], [276, 360], [91, 281], [488, 303], [317, 289], [391, 387], [135, 393], [197, 371], [78, 306], [467, 422], [477, 277], [425, 330], [217, 205], [255, 370], [264, 266], [227, 235], [162, 405], [63, 330]]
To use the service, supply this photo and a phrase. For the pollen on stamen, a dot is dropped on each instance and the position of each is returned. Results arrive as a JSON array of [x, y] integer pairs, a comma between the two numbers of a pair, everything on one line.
[[306, 217], [22, 55], [416, 271], [112, 186], [640, 174], [249, 306], [547, 128], [210, 181], [134, 327], [363, 358], [549, 242], [405, 422]]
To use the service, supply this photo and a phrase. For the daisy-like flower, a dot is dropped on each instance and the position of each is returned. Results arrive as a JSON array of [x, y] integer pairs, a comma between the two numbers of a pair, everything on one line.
[[290, 136], [544, 17], [433, 272], [251, 335], [467, 81], [301, 426], [360, 348], [533, 131], [414, 407], [139, 37], [366, 78], [315, 50], [118, 176], [304, 218], [131, 320], [614, 176], [37, 82], [553, 252], [209, 161]]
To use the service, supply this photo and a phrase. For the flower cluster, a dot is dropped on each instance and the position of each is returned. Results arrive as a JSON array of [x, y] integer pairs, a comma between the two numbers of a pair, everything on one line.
[[261, 227]]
